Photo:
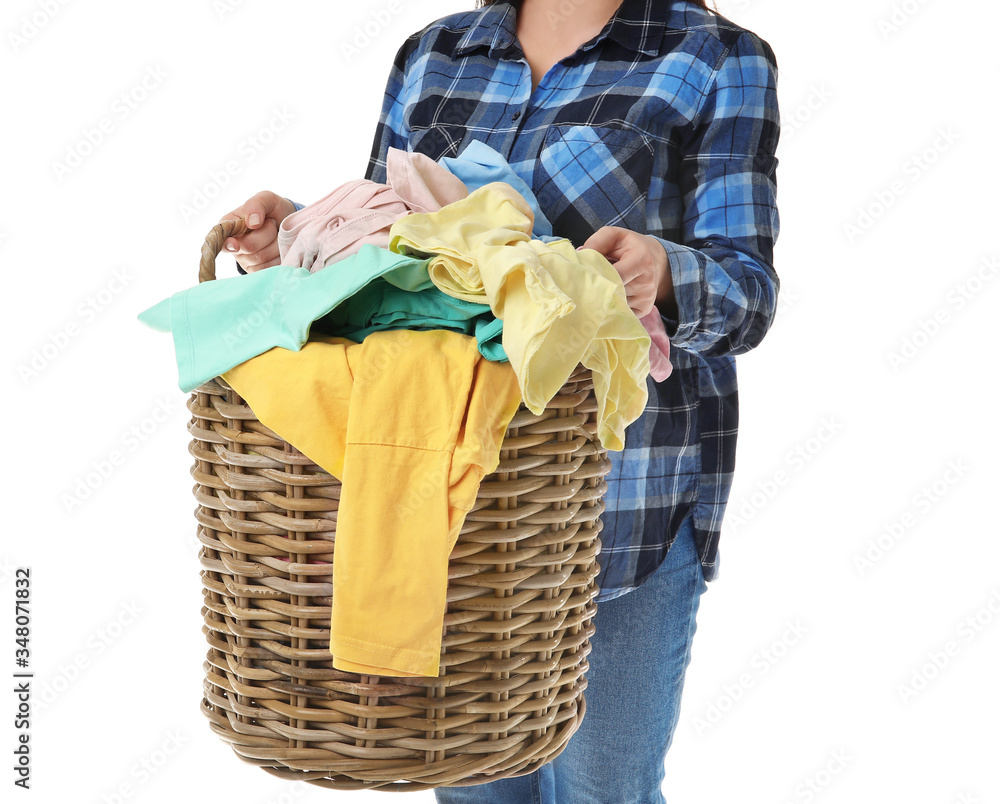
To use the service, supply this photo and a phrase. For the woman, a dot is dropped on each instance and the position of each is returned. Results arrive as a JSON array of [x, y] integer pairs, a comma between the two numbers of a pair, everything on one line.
[[647, 131]]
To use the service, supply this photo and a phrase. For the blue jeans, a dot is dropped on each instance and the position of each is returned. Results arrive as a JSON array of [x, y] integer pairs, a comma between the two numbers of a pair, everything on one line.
[[639, 653]]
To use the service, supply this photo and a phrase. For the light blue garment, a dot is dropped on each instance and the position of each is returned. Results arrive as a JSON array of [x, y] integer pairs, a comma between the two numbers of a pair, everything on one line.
[[219, 324], [479, 165]]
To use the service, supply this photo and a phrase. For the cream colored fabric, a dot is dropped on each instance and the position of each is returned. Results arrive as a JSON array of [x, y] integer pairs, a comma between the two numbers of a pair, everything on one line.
[[560, 306]]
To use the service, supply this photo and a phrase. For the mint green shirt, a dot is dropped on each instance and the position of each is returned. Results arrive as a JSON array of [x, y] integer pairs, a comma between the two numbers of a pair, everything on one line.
[[219, 324]]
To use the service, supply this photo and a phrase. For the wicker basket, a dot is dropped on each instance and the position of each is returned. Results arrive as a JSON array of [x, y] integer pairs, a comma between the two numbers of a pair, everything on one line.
[[517, 629]]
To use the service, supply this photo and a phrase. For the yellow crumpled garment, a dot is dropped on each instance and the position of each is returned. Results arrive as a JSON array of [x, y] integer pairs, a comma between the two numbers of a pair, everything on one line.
[[560, 306], [410, 422]]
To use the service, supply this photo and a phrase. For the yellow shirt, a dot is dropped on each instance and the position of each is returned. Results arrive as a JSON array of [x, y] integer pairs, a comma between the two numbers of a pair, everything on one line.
[[410, 422], [560, 306]]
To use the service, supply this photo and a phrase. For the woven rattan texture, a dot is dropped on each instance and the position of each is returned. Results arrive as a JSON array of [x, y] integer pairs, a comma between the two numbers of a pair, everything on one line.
[[516, 633]]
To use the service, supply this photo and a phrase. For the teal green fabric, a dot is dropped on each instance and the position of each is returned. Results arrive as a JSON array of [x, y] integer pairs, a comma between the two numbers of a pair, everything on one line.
[[219, 324], [381, 306]]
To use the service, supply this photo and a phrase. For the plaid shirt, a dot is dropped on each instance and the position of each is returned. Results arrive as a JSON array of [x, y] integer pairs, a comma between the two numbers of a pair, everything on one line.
[[665, 123]]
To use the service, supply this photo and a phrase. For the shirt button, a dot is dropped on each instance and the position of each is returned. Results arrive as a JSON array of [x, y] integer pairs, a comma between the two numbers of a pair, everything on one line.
[[516, 115]]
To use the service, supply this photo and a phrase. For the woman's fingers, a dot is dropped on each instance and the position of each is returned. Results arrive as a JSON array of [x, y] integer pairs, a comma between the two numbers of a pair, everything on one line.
[[609, 241], [255, 240], [263, 214], [258, 249], [632, 257]]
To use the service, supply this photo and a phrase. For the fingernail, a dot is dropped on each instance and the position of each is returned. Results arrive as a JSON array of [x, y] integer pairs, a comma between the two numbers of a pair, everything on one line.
[[231, 246], [254, 220]]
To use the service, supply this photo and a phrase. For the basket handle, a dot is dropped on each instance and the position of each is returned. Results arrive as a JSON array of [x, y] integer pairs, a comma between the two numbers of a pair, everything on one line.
[[213, 245]]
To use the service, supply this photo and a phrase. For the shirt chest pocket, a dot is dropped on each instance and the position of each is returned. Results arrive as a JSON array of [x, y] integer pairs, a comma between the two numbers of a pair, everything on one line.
[[587, 177]]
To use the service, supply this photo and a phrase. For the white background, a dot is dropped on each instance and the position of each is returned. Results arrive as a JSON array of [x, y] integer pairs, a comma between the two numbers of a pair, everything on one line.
[[806, 666]]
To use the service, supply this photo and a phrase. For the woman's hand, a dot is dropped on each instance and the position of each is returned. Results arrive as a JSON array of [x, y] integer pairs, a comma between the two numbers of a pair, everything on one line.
[[641, 262], [258, 248]]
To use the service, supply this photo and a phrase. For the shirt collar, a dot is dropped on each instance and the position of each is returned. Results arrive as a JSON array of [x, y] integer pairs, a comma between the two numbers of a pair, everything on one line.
[[637, 25], [495, 30]]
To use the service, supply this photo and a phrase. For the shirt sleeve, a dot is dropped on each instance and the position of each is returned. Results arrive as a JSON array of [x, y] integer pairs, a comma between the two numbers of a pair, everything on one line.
[[724, 280], [391, 131]]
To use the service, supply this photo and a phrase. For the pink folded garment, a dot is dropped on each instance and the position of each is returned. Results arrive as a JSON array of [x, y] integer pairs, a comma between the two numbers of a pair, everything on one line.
[[659, 347], [361, 211], [423, 184]]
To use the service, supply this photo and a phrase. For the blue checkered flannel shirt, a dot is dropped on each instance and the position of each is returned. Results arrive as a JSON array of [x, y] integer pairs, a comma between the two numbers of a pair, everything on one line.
[[665, 123]]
